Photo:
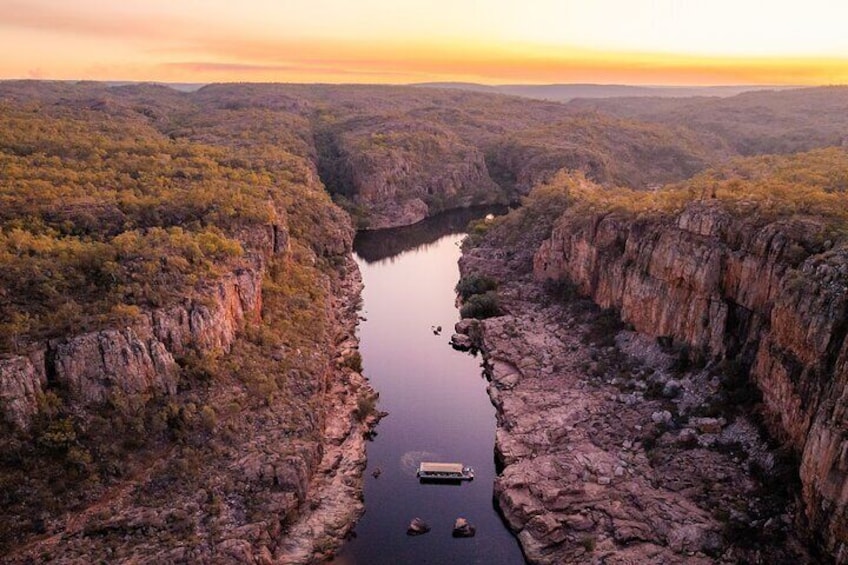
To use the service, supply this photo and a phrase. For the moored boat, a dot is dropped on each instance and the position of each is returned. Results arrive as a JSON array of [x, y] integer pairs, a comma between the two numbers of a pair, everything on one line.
[[444, 471]]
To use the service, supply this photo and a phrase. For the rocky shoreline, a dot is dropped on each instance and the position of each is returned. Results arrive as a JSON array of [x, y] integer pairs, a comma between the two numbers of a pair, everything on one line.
[[613, 450], [335, 494]]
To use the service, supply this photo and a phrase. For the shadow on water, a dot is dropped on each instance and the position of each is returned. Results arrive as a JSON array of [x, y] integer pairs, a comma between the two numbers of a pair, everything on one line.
[[440, 482], [373, 246]]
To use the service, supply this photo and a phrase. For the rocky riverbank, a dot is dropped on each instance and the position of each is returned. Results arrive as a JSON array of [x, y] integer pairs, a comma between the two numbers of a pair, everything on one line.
[[616, 449], [334, 500], [767, 295]]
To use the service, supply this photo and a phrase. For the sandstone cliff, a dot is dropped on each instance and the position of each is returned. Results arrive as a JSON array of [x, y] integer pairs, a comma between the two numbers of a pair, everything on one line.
[[772, 295], [282, 444], [398, 171], [137, 362]]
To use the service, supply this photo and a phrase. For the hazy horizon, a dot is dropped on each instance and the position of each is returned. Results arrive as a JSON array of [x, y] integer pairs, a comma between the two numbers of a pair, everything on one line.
[[446, 83]]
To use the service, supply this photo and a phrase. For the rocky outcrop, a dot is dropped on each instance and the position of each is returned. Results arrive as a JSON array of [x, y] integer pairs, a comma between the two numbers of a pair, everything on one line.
[[268, 475], [773, 296], [335, 492], [22, 380], [137, 361], [417, 527], [463, 529]]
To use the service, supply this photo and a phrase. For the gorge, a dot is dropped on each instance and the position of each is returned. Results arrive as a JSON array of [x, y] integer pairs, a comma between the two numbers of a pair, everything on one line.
[[180, 377]]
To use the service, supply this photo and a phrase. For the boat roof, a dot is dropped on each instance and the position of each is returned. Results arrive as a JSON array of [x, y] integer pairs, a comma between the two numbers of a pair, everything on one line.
[[429, 467]]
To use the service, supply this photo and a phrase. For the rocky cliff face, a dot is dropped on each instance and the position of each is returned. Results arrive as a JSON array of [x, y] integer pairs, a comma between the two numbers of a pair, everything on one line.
[[274, 472], [139, 361], [397, 172], [773, 296], [135, 362], [22, 380]]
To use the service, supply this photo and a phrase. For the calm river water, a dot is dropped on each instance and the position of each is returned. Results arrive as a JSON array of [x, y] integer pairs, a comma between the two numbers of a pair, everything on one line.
[[437, 403]]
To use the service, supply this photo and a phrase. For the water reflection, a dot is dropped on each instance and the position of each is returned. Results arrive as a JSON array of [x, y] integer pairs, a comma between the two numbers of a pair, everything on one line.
[[378, 245], [437, 403]]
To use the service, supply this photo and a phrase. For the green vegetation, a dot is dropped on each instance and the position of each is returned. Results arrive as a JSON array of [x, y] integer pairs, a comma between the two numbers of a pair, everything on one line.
[[475, 284], [116, 201], [354, 361], [99, 219], [753, 123], [366, 405], [479, 297], [481, 306], [523, 229], [588, 543]]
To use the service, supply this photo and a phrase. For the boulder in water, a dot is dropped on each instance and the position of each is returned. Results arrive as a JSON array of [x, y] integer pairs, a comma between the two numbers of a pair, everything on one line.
[[462, 529], [417, 527]]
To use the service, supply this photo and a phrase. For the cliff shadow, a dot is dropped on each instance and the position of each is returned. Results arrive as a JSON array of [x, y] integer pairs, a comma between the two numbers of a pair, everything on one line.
[[378, 245]]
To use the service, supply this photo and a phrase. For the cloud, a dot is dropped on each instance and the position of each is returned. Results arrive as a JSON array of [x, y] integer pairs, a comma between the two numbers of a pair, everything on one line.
[[81, 19], [211, 70], [500, 63], [213, 67]]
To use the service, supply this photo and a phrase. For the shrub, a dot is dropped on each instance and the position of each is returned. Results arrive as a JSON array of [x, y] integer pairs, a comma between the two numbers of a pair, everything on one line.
[[208, 418], [354, 361], [477, 229], [588, 543], [475, 284], [199, 368], [365, 406], [604, 327], [58, 437], [481, 306], [562, 290]]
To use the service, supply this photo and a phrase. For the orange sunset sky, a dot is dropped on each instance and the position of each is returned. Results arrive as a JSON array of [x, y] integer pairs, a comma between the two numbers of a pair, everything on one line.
[[398, 41]]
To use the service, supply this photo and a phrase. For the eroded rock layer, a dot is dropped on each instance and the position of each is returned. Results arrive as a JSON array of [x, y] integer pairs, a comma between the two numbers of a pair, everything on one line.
[[773, 296]]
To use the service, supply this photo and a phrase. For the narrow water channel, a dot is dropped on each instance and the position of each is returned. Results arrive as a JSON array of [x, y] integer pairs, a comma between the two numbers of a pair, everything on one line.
[[437, 403]]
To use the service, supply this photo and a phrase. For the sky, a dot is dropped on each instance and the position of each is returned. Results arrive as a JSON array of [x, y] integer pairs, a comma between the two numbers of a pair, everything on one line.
[[684, 42]]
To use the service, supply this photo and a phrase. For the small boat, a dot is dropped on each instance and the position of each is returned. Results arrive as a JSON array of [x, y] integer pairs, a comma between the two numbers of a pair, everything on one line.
[[429, 471]]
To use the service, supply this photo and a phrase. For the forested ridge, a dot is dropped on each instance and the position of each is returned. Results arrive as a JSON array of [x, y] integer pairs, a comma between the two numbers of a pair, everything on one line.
[[103, 214], [120, 202], [810, 186]]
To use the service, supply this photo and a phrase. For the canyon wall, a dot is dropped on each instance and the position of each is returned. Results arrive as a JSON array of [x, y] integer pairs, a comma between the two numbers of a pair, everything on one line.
[[297, 463], [135, 362], [139, 361], [772, 296], [398, 171]]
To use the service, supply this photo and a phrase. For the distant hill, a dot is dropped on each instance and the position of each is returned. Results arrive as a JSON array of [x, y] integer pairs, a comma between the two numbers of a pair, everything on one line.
[[548, 92], [752, 123], [566, 92], [181, 86]]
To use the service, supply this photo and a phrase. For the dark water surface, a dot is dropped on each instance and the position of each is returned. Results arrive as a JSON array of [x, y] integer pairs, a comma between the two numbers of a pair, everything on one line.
[[437, 403]]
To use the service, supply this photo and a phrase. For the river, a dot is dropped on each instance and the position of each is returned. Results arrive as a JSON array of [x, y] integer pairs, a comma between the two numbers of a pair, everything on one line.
[[437, 404]]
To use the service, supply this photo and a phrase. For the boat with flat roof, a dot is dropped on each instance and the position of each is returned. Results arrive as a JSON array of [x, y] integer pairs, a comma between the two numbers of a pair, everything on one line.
[[431, 471]]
